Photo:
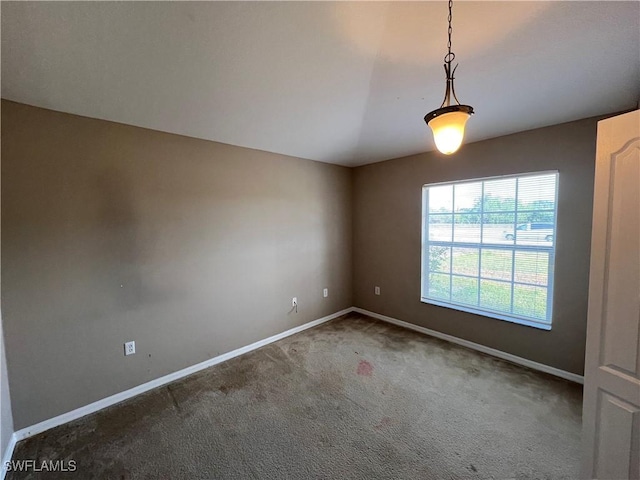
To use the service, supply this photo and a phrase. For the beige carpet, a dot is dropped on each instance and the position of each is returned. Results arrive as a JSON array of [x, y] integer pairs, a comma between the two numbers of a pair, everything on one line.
[[354, 398]]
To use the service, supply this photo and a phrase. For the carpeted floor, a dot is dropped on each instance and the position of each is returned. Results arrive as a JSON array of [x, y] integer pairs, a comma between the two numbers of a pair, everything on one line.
[[354, 398]]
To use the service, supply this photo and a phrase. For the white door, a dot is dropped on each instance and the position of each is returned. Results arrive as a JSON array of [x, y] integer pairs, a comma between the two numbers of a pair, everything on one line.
[[611, 413]]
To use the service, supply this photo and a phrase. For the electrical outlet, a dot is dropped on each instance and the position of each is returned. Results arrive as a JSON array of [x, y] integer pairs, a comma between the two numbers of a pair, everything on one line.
[[294, 302], [325, 292], [376, 290], [130, 348]]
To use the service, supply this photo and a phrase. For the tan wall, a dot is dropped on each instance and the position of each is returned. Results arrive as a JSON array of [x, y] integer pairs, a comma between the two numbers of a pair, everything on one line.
[[194, 248], [191, 248], [6, 417], [387, 237]]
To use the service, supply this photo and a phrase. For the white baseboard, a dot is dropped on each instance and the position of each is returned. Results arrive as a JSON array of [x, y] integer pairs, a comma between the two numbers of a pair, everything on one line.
[[476, 346], [158, 382], [8, 453]]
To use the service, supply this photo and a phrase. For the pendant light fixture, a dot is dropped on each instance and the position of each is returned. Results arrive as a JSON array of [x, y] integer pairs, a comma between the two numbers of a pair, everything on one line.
[[448, 121]]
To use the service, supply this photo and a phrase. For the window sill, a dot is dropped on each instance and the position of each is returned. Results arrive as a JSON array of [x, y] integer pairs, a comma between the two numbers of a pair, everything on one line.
[[486, 313]]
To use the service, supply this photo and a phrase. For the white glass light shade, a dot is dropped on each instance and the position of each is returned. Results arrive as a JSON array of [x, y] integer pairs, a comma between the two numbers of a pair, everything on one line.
[[448, 130]]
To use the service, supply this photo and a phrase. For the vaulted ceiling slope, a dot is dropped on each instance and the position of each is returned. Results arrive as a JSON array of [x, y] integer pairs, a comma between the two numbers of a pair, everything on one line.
[[339, 82]]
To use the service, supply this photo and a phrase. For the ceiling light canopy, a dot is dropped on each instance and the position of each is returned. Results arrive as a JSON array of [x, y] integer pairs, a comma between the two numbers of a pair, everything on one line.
[[448, 121]]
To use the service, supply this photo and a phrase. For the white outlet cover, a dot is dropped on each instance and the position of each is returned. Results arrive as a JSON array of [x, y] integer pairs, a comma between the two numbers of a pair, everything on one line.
[[294, 301], [325, 292], [376, 290], [130, 348]]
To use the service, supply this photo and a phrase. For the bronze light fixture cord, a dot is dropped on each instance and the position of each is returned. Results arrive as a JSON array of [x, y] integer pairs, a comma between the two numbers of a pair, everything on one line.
[[446, 106]]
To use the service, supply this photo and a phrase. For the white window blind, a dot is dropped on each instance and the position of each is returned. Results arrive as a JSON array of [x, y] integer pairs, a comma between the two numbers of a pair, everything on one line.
[[489, 246]]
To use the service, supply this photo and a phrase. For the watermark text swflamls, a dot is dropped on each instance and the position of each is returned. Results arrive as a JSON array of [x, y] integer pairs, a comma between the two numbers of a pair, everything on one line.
[[43, 466]]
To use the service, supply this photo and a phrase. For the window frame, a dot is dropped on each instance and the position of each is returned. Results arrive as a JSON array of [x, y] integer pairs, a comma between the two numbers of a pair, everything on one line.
[[478, 310]]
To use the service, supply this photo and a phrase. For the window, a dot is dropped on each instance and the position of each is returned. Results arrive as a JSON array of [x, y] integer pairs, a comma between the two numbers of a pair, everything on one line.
[[489, 246]]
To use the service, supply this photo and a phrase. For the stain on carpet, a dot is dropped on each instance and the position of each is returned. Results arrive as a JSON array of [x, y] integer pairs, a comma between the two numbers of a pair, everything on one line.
[[364, 368]]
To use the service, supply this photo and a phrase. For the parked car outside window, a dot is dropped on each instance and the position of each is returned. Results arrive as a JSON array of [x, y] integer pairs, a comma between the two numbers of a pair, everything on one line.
[[535, 232]]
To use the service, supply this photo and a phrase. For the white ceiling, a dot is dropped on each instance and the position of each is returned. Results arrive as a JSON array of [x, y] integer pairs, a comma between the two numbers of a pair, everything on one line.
[[343, 82]]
